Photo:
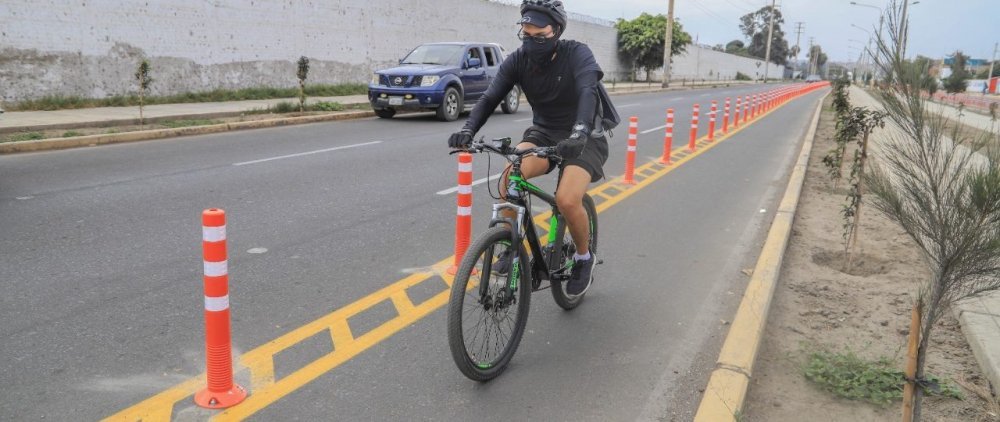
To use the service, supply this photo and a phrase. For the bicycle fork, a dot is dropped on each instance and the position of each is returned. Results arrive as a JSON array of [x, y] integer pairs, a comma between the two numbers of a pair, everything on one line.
[[515, 272]]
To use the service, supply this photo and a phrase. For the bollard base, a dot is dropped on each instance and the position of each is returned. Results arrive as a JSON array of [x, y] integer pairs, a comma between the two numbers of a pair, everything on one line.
[[220, 400]]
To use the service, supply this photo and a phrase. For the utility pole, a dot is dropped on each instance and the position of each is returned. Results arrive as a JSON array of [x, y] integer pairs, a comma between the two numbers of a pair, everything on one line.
[[902, 32], [992, 62], [812, 57], [669, 40], [767, 52], [798, 34]]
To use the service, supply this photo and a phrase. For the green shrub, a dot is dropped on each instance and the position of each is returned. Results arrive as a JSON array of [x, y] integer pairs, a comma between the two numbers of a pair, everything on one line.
[[878, 382], [284, 107], [59, 102], [326, 106], [173, 124], [741, 77], [71, 133]]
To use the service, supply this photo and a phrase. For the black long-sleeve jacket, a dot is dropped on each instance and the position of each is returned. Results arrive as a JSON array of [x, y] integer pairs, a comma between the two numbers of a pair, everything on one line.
[[561, 93]]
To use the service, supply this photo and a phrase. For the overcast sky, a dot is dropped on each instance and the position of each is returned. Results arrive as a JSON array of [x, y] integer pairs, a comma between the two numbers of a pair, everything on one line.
[[938, 27]]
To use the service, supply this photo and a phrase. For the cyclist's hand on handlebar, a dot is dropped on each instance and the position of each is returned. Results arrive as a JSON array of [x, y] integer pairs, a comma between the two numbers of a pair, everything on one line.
[[461, 139], [571, 147]]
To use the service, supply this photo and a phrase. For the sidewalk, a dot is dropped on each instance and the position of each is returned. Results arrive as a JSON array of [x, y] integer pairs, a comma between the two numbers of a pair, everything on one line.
[[23, 121], [13, 121], [976, 120], [979, 316]]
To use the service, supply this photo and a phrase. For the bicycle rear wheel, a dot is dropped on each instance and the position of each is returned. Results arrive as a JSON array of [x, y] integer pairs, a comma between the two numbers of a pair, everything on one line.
[[563, 299], [485, 325]]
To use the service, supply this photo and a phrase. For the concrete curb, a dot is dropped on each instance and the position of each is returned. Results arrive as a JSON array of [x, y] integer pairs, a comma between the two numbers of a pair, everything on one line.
[[726, 391], [143, 135], [980, 320], [676, 87]]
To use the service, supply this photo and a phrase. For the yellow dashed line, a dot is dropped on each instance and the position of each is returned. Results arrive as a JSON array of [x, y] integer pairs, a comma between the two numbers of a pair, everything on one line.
[[265, 389]]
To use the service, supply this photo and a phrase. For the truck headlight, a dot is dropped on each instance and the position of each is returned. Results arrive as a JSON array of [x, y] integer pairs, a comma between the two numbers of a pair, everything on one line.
[[429, 80], [375, 79]]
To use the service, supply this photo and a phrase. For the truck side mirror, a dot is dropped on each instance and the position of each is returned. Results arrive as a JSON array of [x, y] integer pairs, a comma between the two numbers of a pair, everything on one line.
[[474, 63]]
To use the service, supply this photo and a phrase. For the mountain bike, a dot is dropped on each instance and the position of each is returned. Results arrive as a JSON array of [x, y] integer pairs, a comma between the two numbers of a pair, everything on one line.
[[488, 307]]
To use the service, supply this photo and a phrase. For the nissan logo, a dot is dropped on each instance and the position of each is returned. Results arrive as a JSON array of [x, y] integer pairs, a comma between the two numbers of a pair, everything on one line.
[[398, 80]]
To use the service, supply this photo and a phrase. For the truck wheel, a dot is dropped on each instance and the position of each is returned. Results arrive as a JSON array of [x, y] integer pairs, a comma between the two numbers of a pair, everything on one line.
[[450, 106], [512, 101], [385, 113]]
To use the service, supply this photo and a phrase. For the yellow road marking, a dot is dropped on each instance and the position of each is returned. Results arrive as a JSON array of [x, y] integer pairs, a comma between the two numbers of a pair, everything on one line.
[[260, 361]]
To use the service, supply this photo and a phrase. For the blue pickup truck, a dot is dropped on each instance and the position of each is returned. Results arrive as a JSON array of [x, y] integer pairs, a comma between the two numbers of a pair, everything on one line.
[[445, 77]]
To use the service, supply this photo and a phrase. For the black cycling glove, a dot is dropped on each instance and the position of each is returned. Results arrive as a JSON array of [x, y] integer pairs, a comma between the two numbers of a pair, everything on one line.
[[572, 147], [461, 139]]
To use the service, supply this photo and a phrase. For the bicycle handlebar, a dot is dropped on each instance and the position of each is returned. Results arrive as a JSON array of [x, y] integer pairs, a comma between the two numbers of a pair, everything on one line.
[[506, 150]]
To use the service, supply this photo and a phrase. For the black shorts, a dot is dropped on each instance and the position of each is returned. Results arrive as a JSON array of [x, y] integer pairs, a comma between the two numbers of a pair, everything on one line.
[[592, 159]]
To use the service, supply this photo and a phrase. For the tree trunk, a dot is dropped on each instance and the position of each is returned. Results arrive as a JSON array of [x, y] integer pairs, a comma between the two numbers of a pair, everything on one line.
[[922, 356], [142, 121], [861, 188], [302, 95], [911, 362]]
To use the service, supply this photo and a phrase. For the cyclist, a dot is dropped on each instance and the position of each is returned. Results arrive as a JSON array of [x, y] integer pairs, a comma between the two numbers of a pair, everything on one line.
[[561, 80]]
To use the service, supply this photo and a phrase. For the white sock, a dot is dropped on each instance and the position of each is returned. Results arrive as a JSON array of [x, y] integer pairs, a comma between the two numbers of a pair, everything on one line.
[[578, 257]]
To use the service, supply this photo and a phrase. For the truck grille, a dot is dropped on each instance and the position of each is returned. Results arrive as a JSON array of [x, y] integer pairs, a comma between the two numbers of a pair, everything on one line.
[[400, 81]]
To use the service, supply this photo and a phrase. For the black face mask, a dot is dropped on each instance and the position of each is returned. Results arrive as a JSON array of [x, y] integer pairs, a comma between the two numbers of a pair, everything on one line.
[[540, 54]]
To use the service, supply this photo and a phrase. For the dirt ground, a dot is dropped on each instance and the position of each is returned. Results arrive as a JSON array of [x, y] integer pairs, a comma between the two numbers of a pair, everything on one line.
[[818, 305]]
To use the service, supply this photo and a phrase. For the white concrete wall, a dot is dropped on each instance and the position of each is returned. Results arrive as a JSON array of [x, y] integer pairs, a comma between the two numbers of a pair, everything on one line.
[[700, 62], [91, 48]]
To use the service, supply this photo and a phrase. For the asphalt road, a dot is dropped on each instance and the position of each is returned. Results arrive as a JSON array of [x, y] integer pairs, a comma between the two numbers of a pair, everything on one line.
[[101, 268]]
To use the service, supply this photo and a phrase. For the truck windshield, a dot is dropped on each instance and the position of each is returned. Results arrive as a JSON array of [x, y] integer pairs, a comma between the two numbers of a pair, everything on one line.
[[435, 54]]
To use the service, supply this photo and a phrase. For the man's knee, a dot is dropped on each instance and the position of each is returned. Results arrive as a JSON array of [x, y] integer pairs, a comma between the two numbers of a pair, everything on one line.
[[568, 200]]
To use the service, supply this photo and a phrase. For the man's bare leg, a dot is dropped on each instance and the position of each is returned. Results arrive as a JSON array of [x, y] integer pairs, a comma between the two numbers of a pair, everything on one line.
[[569, 199]]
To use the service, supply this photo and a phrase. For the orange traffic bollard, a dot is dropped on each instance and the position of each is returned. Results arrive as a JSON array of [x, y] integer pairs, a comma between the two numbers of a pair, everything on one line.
[[711, 122], [694, 129], [633, 135], [463, 219], [220, 392], [746, 108], [725, 117], [668, 137], [736, 116], [753, 106]]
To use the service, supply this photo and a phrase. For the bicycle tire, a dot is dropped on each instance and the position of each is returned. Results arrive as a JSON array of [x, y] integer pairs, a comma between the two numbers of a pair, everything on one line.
[[564, 300], [469, 363]]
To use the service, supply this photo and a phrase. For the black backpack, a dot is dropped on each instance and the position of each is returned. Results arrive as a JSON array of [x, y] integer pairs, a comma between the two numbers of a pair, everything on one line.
[[606, 110]]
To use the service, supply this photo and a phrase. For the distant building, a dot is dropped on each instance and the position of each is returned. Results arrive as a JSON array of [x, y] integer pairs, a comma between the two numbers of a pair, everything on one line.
[[972, 65]]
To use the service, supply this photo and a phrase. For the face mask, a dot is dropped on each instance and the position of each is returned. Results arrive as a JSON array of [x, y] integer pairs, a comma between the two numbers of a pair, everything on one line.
[[540, 54]]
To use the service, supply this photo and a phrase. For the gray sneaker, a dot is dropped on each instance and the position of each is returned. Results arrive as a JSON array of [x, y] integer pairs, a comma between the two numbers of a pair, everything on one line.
[[581, 276]]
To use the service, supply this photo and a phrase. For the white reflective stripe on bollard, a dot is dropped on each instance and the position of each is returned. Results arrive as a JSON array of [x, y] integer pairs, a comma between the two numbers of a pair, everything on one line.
[[216, 304], [216, 269], [213, 234], [463, 211]]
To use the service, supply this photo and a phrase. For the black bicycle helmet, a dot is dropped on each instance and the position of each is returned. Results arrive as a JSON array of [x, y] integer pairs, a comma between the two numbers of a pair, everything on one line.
[[553, 8]]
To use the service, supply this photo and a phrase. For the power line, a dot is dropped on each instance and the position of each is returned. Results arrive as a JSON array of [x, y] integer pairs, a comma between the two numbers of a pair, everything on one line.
[[743, 8], [712, 14]]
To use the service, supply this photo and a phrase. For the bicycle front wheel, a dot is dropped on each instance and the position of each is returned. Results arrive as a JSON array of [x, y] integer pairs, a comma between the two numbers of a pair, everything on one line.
[[486, 319]]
